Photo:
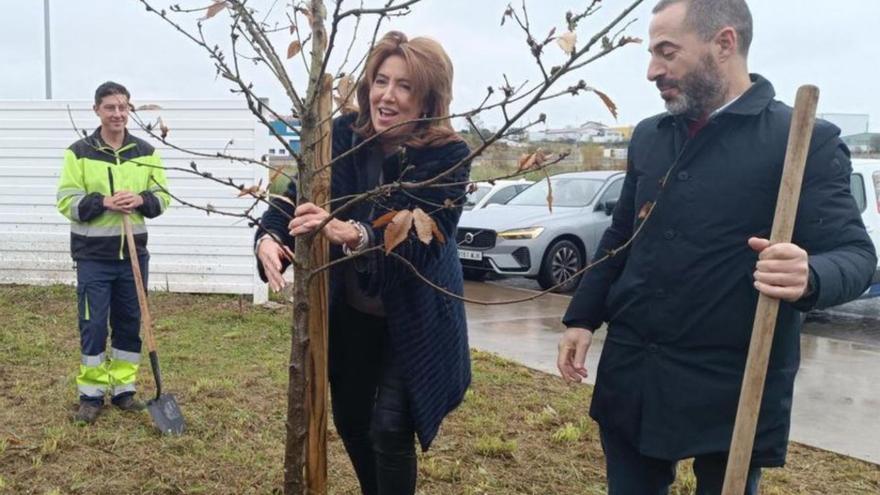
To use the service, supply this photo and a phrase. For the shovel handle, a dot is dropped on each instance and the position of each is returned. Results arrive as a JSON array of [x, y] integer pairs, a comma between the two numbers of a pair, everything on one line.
[[146, 319], [802, 121]]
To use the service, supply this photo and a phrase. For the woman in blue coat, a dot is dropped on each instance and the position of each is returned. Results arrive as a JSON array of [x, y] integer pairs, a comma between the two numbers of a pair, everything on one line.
[[398, 355]]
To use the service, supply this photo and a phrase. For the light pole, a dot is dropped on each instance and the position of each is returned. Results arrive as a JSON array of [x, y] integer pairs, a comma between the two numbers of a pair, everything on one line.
[[48, 49]]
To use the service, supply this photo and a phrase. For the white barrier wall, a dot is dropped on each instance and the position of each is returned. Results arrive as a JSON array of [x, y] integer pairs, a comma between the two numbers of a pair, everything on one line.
[[190, 250]]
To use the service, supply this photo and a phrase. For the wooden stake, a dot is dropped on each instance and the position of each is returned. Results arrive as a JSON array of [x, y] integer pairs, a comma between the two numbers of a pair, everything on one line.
[[802, 121], [317, 398]]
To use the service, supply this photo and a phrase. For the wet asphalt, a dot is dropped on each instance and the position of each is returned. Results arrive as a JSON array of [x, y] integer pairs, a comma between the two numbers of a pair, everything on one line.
[[837, 391]]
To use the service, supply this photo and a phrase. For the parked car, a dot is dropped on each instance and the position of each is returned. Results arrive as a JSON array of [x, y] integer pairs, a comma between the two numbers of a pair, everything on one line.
[[865, 188], [500, 192], [525, 238], [514, 240]]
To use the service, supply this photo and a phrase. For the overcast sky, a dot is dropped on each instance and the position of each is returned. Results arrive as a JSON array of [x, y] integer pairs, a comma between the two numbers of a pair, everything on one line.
[[830, 44]]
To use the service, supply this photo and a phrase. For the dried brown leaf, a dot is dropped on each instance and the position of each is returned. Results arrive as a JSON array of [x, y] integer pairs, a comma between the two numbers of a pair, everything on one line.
[[294, 48], [250, 190], [398, 229], [384, 219], [612, 107], [215, 9], [526, 162], [344, 97], [532, 160], [163, 129], [438, 234], [424, 225], [540, 157], [448, 203], [567, 41], [645, 210]]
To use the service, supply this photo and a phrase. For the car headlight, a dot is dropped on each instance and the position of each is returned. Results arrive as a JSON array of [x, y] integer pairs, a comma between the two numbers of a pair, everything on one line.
[[529, 233]]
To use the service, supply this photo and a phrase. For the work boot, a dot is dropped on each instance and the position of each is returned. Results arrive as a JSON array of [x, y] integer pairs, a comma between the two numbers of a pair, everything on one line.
[[87, 413], [129, 403]]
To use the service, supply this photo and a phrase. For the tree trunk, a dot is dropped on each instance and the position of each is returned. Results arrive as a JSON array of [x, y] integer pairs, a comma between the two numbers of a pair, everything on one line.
[[305, 458]]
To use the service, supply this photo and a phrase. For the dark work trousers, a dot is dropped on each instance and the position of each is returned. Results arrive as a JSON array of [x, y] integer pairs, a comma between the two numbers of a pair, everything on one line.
[[106, 293], [631, 473], [370, 404]]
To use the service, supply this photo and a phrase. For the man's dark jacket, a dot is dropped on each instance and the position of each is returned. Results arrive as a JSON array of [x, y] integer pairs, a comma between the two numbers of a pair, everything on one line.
[[427, 329], [680, 300]]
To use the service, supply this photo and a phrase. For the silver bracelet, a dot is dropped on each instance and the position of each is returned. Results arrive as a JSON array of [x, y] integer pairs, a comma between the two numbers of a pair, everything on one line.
[[362, 238]]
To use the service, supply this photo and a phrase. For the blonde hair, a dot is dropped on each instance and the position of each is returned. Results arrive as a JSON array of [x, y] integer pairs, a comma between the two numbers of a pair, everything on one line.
[[430, 72]]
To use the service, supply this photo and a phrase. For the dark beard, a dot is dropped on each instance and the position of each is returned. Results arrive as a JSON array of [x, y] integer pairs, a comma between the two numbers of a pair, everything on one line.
[[701, 91]]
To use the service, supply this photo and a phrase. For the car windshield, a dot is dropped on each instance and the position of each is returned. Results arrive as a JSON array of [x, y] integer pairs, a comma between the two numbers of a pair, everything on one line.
[[566, 192], [474, 197]]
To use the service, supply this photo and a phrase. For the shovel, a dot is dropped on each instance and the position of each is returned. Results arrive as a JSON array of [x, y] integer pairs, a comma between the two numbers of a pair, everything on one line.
[[163, 409]]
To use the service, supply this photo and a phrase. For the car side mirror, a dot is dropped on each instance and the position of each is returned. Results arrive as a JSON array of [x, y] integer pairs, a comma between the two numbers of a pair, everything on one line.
[[609, 205]]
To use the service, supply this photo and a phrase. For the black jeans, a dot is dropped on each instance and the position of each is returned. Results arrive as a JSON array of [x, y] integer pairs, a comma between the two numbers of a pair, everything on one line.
[[631, 473], [370, 405]]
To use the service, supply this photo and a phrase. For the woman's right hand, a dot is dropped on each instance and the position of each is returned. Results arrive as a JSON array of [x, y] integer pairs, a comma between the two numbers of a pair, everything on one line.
[[270, 254]]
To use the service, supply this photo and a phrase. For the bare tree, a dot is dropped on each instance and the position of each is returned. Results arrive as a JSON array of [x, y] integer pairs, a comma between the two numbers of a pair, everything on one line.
[[306, 27]]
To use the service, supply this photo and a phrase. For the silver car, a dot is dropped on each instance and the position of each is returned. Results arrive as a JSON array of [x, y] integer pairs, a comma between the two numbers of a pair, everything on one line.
[[524, 238]]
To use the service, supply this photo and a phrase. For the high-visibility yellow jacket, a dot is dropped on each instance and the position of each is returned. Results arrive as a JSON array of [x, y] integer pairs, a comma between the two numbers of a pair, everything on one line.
[[93, 170]]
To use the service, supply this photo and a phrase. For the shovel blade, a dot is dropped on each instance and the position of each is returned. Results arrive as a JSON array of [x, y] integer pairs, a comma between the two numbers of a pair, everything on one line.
[[166, 414]]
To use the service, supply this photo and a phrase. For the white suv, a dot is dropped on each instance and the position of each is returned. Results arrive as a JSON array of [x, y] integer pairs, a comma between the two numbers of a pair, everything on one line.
[[865, 187], [499, 192]]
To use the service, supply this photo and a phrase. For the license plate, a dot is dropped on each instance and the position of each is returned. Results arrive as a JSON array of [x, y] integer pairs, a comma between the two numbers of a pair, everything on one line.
[[470, 255]]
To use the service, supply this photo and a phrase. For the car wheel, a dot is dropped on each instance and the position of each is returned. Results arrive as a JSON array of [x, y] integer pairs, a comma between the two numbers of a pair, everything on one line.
[[473, 274], [561, 261]]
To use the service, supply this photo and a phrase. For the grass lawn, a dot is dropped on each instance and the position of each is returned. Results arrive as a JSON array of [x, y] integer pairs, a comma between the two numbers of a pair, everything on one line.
[[518, 432]]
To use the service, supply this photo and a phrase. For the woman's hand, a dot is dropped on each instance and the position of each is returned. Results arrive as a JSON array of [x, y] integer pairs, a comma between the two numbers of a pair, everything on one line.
[[309, 216], [270, 254]]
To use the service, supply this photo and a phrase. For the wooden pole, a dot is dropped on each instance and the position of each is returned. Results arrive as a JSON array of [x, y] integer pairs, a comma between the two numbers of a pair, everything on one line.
[[317, 398], [802, 121]]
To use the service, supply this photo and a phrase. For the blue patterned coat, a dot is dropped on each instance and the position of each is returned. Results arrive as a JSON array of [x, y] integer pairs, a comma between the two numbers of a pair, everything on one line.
[[428, 330]]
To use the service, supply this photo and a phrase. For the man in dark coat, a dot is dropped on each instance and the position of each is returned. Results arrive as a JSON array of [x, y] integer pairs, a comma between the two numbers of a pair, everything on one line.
[[698, 199]]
